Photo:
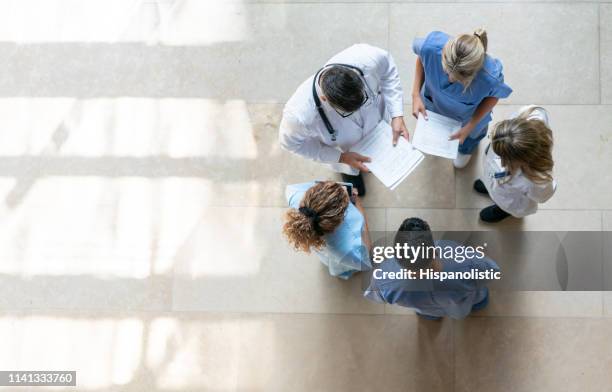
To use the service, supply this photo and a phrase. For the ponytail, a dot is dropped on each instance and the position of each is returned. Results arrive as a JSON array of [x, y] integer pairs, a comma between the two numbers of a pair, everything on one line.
[[464, 56], [482, 36]]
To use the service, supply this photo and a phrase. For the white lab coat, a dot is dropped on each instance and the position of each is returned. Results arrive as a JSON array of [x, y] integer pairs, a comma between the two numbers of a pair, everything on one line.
[[518, 196], [302, 130]]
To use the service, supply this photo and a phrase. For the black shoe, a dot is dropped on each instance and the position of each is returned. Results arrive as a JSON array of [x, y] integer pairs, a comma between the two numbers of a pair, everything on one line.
[[493, 214], [357, 182], [480, 187]]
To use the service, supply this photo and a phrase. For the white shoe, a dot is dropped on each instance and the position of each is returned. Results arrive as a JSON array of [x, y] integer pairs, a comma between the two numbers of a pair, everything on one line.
[[462, 160]]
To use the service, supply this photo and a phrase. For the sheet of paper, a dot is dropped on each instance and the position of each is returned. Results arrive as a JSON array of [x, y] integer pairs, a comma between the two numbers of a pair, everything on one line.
[[391, 165], [431, 136]]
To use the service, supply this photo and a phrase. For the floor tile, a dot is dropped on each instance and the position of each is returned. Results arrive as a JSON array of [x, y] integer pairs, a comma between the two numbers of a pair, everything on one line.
[[533, 304], [605, 23], [607, 303], [106, 249], [534, 26], [532, 354], [236, 259], [242, 62], [345, 353], [32, 21], [430, 185], [544, 304], [131, 351], [468, 220], [607, 295], [81, 292]]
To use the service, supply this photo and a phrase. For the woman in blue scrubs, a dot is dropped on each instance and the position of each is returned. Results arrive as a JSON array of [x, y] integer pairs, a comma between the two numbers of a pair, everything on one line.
[[323, 217], [456, 78]]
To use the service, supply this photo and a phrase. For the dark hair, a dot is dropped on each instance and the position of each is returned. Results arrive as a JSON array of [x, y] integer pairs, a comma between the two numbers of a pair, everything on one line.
[[343, 88], [414, 232]]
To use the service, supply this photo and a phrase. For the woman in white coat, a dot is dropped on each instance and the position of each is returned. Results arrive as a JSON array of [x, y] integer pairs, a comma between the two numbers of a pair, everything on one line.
[[518, 166]]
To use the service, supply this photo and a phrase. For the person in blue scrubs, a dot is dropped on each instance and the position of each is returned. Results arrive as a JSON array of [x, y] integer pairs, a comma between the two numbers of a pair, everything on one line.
[[325, 219], [455, 77], [430, 298]]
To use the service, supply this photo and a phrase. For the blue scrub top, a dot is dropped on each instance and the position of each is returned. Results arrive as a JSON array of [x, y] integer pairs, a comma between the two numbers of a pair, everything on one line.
[[452, 298], [449, 99], [344, 252]]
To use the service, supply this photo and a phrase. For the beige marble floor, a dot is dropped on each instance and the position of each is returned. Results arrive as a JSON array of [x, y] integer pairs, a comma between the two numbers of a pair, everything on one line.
[[142, 188]]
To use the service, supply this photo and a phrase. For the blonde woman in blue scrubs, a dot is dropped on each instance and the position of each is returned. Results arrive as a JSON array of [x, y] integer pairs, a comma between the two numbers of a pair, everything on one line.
[[456, 78]]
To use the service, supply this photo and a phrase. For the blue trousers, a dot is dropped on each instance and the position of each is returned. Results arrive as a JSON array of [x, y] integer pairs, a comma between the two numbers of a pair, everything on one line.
[[471, 142]]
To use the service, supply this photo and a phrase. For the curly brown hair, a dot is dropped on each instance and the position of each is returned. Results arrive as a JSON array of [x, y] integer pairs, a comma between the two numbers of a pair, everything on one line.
[[321, 211]]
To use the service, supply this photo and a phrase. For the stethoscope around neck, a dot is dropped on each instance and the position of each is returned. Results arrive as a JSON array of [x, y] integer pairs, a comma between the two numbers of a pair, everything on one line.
[[332, 132]]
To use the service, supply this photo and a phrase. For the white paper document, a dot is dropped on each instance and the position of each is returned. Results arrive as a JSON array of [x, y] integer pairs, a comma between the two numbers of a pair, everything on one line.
[[431, 136], [391, 165]]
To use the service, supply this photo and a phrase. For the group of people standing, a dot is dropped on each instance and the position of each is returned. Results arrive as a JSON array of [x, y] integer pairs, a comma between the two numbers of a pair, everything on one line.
[[359, 87]]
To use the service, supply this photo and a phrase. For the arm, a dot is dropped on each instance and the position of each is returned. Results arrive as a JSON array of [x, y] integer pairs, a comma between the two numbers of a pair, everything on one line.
[[483, 108], [541, 193], [392, 93], [390, 83], [365, 234], [419, 78], [295, 137]]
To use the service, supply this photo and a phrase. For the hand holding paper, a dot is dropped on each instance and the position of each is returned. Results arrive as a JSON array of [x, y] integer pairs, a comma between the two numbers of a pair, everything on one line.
[[355, 160], [390, 164], [432, 136], [461, 134], [399, 129]]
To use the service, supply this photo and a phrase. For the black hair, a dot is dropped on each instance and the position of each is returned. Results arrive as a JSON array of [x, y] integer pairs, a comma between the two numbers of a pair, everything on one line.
[[343, 88], [415, 232]]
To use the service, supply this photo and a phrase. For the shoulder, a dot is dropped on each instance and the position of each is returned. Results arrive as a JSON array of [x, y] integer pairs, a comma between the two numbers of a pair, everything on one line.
[[353, 215], [295, 192], [445, 243], [361, 55], [432, 43], [431, 46], [493, 70], [435, 41], [491, 79], [347, 237], [365, 48], [300, 106]]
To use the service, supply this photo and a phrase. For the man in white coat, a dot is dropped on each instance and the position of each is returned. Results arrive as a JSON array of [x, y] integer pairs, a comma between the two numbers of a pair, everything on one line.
[[336, 107]]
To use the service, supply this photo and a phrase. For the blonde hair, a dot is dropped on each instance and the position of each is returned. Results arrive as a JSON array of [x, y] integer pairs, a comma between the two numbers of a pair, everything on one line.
[[526, 144], [321, 211], [464, 56]]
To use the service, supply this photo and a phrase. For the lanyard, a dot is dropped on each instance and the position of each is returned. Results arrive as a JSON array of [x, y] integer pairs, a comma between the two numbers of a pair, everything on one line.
[[502, 176]]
